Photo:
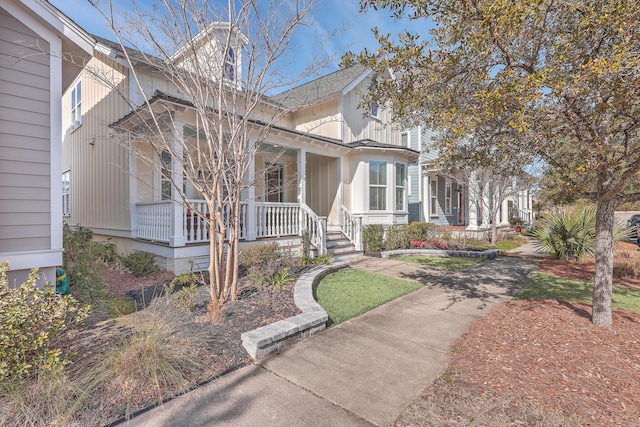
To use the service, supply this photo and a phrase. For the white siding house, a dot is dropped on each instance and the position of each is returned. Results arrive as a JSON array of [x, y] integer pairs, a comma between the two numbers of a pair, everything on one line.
[[34, 36], [338, 167]]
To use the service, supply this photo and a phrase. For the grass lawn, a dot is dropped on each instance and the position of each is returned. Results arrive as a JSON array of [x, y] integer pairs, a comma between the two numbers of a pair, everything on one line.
[[349, 293], [547, 286], [445, 262], [507, 245]]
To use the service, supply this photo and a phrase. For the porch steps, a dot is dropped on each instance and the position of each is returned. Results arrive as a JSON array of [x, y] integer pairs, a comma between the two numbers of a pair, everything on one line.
[[340, 247]]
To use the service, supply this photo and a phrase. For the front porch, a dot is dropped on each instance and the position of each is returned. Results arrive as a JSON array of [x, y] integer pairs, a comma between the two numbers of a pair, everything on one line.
[[179, 225]]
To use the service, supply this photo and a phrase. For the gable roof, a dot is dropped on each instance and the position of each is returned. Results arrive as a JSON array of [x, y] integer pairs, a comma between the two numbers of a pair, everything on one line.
[[319, 89]]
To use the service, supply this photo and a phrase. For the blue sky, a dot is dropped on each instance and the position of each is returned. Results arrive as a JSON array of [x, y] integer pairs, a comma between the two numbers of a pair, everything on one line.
[[343, 17]]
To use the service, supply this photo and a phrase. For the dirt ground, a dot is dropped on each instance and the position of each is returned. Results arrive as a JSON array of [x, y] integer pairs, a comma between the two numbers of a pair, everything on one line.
[[534, 363], [540, 363], [221, 344]]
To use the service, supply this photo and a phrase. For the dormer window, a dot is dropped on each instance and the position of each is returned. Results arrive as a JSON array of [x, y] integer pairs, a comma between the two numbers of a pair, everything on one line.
[[76, 105], [229, 71], [375, 109]]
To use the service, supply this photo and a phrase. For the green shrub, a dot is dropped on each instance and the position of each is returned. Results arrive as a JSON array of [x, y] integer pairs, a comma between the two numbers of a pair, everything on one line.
[[397, 237], [571, 234], [373, 238], [84, 260], [424, 231], [31, 319], [140, 263], [186, 295]]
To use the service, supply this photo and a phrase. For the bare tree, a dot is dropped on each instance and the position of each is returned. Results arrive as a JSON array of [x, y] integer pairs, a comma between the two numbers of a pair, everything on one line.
[[490, 189], [217, 64]]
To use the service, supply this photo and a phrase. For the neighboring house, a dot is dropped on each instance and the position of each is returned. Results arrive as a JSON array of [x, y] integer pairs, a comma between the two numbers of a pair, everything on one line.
[[33, 75], [346, 169], [435, 196]]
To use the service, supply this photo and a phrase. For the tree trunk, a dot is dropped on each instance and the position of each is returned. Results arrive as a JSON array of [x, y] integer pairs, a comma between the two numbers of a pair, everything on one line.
[[601, 314], [494, 230]]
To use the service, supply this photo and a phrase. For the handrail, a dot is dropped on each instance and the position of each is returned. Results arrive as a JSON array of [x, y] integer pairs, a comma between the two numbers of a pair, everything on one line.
[[316, 226], [351, 227]]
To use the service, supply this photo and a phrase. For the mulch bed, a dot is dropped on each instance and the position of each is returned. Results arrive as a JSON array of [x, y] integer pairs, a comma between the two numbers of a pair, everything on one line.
[[256, 306], [549, 352], [544, 352]]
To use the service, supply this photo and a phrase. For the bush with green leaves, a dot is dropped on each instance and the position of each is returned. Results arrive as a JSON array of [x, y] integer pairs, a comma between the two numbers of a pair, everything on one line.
[[571, 233], [31, 319], [140, 263], [83, 260], [425, 231], [373, 238], [397, 237]]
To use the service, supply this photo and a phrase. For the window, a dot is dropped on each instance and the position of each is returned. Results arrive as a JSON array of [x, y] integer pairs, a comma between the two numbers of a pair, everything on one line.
[[377, 185], [400, 186], [375, 109], [404, 139], [165, 178], [229, 71], [274, 183], [447, 198], [66, 207], [76, 105], [434, 196]]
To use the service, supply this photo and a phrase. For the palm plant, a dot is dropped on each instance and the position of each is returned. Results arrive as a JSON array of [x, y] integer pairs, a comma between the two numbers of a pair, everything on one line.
[[571, 233]]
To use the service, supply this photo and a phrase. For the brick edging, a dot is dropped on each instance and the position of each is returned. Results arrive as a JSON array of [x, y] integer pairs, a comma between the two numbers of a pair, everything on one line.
[[486, 254], [269, 338]]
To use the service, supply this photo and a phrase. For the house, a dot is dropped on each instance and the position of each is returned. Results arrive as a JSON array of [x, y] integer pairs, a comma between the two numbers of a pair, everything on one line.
[[37, 40], [447, 200], [324, 167]]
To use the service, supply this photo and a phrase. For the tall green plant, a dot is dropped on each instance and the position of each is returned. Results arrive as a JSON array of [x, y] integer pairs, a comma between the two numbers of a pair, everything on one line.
[[373, 237], [571, 233], [31, 319], [84, 260]]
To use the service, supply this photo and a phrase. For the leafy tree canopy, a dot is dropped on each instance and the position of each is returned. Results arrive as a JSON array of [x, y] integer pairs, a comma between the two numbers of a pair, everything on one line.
[[554, 80], [505, 82]]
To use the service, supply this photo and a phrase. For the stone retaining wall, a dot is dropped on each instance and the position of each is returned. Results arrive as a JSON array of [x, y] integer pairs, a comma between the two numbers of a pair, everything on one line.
[[486, 254], [269, 338]]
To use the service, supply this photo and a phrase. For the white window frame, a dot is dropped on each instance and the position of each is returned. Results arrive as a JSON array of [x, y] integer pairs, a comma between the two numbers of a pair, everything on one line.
[[165, 175], [230, 66], [407, 141], [375, 110], [379, 187], [448, 194], [66, 191], [76, 104], [433, 196], [278, 192], [401, 187]]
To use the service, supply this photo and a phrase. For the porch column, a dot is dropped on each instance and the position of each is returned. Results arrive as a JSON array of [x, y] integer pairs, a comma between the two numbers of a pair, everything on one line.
[[473, 204], [302, 176], [177, 237], [133, 188], [251, 194], [504, 213], [302, 186]]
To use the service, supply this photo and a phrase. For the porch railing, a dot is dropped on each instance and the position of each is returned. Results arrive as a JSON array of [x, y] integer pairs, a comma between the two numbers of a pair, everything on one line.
[[277, 219], [196, 225], [154, 220], [316, 227], [351, 226]]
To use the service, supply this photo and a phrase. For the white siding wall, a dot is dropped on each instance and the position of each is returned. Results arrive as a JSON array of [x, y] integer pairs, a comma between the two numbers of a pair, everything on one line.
[[358, 127], [99, 190], [25, 186]]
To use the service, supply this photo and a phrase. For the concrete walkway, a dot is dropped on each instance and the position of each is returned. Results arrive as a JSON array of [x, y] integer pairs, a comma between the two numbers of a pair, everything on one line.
[[364, 371]]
